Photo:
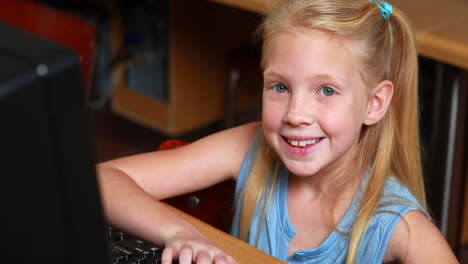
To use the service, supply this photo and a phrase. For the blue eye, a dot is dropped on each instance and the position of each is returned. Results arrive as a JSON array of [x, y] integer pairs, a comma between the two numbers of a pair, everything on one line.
[[280, 88], [327, 91]]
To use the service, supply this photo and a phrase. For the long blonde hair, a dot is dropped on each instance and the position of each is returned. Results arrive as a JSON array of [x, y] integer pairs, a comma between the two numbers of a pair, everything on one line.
[[390, 147]]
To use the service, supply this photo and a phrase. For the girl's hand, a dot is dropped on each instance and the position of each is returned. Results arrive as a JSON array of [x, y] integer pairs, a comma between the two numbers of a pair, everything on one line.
[[194, 249]]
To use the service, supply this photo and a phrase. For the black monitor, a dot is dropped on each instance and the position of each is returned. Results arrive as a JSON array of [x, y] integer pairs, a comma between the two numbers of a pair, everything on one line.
[[50, 197]]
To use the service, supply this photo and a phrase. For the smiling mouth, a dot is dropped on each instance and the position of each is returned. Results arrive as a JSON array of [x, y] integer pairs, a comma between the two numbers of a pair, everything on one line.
[[303, 143]]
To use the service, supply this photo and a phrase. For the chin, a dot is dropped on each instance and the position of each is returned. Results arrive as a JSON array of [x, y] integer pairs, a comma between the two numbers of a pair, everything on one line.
[[302, 174], [301, 170]]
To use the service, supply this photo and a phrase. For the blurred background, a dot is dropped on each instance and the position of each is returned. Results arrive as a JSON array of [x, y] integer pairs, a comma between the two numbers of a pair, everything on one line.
[[158, 70]]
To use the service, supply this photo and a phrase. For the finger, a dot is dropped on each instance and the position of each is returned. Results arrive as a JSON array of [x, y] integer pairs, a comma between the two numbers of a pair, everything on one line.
[[231, 260], [220, 259], [167, 255], [203, 258], [186, 255]]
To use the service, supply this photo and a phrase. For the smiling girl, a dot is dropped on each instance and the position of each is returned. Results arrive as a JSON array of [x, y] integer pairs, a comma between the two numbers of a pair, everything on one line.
[[331, 174]]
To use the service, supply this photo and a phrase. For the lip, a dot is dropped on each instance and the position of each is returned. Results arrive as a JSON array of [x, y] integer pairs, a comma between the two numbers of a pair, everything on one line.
[[299, 138], [301, 151]]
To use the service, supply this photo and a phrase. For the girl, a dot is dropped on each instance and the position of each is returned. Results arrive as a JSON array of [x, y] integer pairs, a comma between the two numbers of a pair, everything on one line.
[[331, 174]]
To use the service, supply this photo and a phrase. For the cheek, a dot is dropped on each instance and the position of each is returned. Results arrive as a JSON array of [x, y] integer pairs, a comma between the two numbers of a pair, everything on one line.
[[271, 114], [344, 123], [270, 124]]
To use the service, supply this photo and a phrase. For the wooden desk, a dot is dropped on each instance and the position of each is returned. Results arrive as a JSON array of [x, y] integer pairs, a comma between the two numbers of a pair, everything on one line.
[[242, 252]]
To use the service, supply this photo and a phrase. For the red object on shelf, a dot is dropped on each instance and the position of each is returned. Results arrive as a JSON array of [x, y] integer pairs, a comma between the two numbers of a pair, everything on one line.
[[171, 143], [61, 27]]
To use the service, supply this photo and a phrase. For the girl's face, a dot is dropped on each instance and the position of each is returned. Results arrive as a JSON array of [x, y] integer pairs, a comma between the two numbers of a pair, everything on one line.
[[314, 100]]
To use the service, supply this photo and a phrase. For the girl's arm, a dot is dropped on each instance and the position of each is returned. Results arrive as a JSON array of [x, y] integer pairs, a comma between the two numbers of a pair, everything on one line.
[[417, 240], [131, 186]]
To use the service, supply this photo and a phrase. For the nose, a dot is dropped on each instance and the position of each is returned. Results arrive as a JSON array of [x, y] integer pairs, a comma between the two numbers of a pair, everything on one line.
[[299, 112]]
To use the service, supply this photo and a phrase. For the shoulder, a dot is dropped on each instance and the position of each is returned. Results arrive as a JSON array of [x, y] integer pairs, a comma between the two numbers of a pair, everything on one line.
[[415, 239], [230, 146], [242, 140], [239, 137], [397, 199], [237, 140], [233, 142], [394, 190], [243, 133]]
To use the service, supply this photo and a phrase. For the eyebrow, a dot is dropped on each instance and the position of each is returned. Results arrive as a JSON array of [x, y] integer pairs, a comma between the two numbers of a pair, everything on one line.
[[325, 76], [329, 77]]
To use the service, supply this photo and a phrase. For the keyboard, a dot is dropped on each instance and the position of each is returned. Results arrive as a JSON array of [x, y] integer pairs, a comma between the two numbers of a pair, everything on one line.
[[126, 249]]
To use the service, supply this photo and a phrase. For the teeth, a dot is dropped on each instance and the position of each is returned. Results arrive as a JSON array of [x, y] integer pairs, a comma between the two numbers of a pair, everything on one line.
[[303, 143]]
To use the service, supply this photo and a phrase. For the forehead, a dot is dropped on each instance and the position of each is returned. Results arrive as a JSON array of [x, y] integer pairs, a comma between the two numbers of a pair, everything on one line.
[[311, 51]]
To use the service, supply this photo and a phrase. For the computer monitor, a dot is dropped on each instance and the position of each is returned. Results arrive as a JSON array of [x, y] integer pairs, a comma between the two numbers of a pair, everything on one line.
[[50, 193]]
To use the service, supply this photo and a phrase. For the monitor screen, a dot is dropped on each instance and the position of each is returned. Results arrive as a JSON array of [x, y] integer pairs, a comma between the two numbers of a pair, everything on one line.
[[50, 193]]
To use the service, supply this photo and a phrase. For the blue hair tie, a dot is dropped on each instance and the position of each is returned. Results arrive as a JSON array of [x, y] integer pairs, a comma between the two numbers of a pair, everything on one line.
[[386, 8]]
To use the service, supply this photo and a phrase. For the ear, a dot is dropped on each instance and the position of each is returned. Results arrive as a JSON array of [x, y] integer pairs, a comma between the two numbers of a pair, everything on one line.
[[379, 100]]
